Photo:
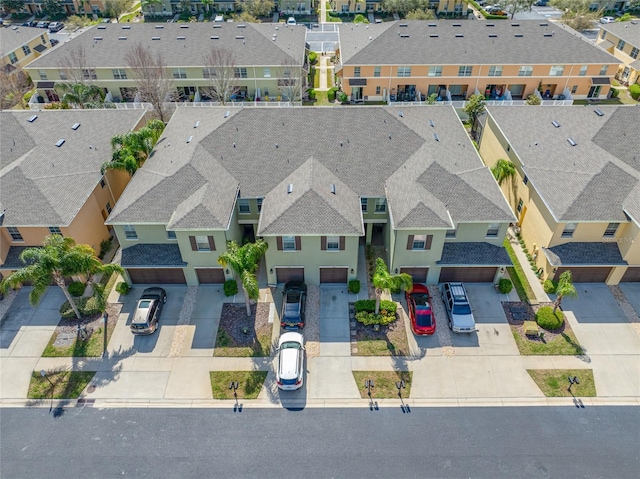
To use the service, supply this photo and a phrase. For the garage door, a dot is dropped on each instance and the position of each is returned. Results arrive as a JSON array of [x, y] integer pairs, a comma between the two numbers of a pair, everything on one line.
[[418, 275], [287, 274], [468, 275], [333, 275], [156, 275], [586, 275], [210, 275], [631, 275]]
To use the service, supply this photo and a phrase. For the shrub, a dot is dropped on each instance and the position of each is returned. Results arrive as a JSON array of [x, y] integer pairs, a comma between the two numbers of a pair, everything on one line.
[[354, 286], [614, 93], [312, 94], [230, 287], [547, 320], [634, 91], [360, 18], [550, 286], [105, 246], [505, 286], [533, 100], [342, 96], [76, 289], [369, 306], [368, 319], [331, 93], [86, 306], [27, 96], [313, 57], [123, 288]]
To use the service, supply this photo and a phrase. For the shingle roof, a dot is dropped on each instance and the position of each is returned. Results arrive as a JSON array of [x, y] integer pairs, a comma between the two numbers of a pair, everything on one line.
[[11, 39], [570, 254], [261, 150], [32, 167], [627, 31], [255, 48], [469, 43], [598, 179], [145, 255], [476, 253]]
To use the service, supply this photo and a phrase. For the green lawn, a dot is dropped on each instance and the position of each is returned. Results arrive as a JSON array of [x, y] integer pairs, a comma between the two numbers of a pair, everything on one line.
[[384, 383], [226, 347], [66, 384], [322, 99], [516, 273], [555, 382], [565, 344], [249, 383], [92, 347]]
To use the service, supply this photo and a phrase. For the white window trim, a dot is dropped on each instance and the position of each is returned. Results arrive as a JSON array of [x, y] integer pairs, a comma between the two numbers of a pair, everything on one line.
[[380, 201], [419, 239], [284, 244], [126, 236], [248, 206], [198, 244], [336, 243]]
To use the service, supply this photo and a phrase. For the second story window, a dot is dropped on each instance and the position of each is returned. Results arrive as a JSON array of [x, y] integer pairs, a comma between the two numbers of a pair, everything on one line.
[[493, 230], [243, 205], [26, 50], [556, 70], [356, 72], [89, 74], [108, 207], [266, 71], [381, 205], [43, 74], [15, 233], [610, 232], [179, 73], [603, 70], [63, 74], [333, 243], [171, 235], [419, 241], [13, 58], [435, 71], [259, 202], [202, 243], [240, 72], [376, 71], [634, 53], [621, 44], [451, 233], [495, 71], [583, 70], [288, 243], [568, 230], [363, 204], [465, 71], [54, 230], [404, 71], [119, 74], [525, 71], [130, 232], [208, 72]]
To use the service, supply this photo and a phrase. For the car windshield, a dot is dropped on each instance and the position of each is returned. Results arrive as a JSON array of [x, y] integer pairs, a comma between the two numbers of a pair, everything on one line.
[[461, 309], [290, 345], [144, 303], [289, 382], [423, 316], [420, 298]]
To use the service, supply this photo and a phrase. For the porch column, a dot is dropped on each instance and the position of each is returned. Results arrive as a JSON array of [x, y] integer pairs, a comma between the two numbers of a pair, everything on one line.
[[369, 232]]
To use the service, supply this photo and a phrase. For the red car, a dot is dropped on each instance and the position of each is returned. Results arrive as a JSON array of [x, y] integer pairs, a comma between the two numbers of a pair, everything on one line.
[[420, 312]]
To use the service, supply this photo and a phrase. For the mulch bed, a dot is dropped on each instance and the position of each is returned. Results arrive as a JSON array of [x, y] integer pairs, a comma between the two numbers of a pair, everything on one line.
[[394, 334], [92, 323], [517, 313], [234, 322]]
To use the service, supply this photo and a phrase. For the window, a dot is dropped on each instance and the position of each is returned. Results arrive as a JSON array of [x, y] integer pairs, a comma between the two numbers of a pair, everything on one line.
[[381, 205], [603, 70], [208, 72], [556, 70], [266, 72], [495, 71], [363, 204], [634, 53], [465, 71], [404, 71], [202, 243], [108, 207], [419, 242], [43, 40], [179, 73], [520, 205], [102, 183], [525, 71], [43, 74], [610, 232], [493, 230], [130, 232], [451, 233], [119, 74], [345, 8], [356, 72], [621, 44], [435, 71], [13, 58], [89, 74], [583, 70], [574, 88], [568, 230], [259, 201], [171, 235], [240, 72], [525, 180], [376, 71], [243, 205], [604, 34], [26, 50], [63, 74], [377, 90], [333, 243], [15, 234], [288, 243]]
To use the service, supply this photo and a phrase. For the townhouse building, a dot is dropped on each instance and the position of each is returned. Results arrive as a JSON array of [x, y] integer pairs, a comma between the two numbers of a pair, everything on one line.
[[407, 180], [504, 60], [171, 7], [20, 45], [445, 8], [70, 7], [622, 40], [577, 189]]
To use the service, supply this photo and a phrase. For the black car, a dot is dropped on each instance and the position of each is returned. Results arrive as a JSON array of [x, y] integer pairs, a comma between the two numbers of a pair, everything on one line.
[[30, 24], [294, 300], [54, 42], [148, 309]]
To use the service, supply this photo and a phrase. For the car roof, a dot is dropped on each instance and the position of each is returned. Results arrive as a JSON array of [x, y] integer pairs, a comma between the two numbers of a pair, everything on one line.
[[155, 291], [295, 284], [419, 288]]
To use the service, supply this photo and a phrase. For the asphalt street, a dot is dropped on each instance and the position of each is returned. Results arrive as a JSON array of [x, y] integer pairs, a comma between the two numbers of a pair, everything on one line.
[[509, 442]]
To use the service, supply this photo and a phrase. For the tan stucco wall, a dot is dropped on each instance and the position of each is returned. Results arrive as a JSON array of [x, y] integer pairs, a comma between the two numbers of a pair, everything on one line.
[[628, 239], [23, 59]]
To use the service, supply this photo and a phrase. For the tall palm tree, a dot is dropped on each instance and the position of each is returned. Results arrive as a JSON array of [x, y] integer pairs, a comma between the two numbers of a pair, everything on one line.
[[383, 280], [206, 4], [80, 95], [244, 260], [58, 258], [565, 289], [132, 149], [505, 170], [91, 265]]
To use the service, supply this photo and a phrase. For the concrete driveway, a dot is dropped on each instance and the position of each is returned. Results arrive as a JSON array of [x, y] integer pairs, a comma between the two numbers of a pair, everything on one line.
[[632, 292]]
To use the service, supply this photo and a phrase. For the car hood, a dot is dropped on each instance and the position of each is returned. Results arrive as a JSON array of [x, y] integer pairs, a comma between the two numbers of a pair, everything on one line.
[[463, 320]]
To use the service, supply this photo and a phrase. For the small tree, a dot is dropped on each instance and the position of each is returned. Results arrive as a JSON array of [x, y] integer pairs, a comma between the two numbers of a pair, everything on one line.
[[76, 66], [474, 108], [383, 280], [564, 289], [13, 86], [505, 170], [132, 149], [419, 14], [9, 5], [244, 261], [514, 6], [80, 95], [221, 74], [115, 8], [256, 8], [291, 80], [151, 5], [52, 7], [533, 100], [207, 4]]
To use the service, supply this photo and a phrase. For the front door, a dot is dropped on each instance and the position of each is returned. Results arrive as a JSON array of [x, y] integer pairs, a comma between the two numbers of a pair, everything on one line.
[[356, 93], [594, 91]]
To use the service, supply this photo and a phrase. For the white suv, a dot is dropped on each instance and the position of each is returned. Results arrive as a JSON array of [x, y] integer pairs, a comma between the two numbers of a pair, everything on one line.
[[458, 308], [290, 373]]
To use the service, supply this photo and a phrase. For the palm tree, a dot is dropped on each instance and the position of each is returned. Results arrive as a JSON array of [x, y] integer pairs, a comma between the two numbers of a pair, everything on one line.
[[244, 260], [206, 4], [565, 289], [58, 258], [505, 170], [383, 280], [132, 149], [91, 265], [80, 95]]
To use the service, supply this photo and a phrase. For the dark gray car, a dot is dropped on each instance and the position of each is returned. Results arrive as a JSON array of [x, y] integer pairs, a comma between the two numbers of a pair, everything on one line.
[[294, 300], [147, 313]]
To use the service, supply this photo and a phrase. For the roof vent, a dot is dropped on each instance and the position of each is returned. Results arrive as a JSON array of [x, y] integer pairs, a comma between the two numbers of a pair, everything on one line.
[[184, 26], [155, 38], [242, 26], [227, 113], [60, 142], [547, 34], [436, 137], [493, 35], [544, 24], [406, 35], [457, 25], [432, 124], [403, 25], [33, 118], [197, 124], [332, 187], [158, 27], [190, 138], [400, 113], [515, 24], [239, 37], [490, 25], [432, 35], [571, 142], [290, 188], [598, 112], [459, 35], [181, 38], [102, 27], [518, 35], [432, 25], [215, 37], [555, 123], [75, 126], [122, 38], [97, 38], [126, 27]]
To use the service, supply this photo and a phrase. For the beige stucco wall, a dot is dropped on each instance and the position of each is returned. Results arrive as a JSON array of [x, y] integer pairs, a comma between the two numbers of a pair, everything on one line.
[[24, 60], [628, 238]]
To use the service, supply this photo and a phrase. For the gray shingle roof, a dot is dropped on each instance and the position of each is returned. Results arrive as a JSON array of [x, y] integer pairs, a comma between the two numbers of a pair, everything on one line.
[[440, 45], [11, 39], [32, 168], [476, 254], [582, 254], [261, 150], [598, 179], [145, 255], [256, 48], [627, 31]]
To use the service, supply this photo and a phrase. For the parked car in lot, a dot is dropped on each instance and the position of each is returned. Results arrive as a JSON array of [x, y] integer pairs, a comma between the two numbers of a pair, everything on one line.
[[294, 300], [420, 311], [456, 302], [147, 313], [43, 24], [54, 42], [290, 372], [218, 19], [607, 20], [55, 27], [291, 21], [32, 23]]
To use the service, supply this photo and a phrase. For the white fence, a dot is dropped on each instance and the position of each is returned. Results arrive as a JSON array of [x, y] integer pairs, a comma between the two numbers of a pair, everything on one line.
[[462, 103]]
